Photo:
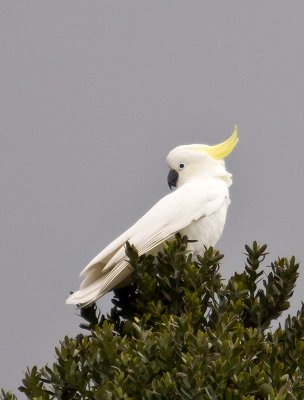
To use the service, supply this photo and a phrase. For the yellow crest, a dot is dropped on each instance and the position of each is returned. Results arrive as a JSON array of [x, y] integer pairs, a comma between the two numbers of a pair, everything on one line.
[[221, 150]]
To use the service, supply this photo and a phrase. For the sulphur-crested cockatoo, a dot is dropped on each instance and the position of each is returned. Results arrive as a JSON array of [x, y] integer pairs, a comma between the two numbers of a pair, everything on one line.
[[197, 208]]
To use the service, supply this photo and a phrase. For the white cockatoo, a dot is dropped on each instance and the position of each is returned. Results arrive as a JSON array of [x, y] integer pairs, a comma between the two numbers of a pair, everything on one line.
[[197, 208]]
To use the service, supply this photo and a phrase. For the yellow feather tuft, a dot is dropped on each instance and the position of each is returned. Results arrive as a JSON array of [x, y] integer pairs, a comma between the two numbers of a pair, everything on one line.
[[221, 150]]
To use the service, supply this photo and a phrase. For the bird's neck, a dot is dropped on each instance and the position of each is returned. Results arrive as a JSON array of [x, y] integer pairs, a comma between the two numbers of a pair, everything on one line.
[[218, 174]]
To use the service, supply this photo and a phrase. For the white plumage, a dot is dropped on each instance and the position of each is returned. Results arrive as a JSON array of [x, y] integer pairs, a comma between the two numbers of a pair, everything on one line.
[[197, 208]]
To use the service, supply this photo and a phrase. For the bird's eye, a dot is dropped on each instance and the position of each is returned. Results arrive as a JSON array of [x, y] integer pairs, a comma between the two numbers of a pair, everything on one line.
[[181, 166]]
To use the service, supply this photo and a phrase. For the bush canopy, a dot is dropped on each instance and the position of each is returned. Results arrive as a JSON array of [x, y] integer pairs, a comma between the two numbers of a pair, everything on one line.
[[178, 331]]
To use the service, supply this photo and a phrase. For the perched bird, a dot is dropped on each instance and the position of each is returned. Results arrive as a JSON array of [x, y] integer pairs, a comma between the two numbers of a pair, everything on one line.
[[197, 208]]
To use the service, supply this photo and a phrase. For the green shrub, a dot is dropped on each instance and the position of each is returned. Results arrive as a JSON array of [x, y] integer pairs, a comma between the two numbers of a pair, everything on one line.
[[179, 332]]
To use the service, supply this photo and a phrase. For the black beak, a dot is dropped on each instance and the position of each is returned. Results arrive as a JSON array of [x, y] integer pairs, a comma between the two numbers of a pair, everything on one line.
[[172, 178]]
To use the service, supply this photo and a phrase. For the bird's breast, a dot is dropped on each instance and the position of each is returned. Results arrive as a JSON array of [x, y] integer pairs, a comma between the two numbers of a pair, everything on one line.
[[206, 231]]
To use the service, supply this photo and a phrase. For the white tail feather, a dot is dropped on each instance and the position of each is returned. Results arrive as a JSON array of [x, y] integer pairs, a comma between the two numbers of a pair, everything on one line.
[[96, 288]]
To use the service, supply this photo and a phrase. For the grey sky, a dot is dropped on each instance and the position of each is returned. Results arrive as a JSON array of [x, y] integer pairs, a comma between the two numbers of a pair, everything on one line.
[[93, 96]]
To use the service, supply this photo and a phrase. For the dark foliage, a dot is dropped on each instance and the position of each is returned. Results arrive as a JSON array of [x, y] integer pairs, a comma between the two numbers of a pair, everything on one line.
[[179, 332]]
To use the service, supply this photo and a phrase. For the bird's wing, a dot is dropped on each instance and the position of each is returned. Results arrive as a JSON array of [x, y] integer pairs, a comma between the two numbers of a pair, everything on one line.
[[175, 212], [169, 215]]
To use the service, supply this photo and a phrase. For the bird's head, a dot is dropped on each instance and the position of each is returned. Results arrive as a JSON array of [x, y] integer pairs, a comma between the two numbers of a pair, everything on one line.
[[200, 160]]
